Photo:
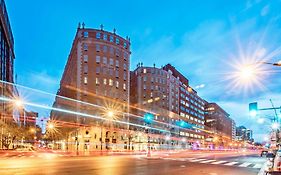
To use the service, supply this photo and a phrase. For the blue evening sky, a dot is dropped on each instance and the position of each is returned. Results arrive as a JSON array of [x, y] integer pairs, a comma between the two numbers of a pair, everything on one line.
[[202, 39]]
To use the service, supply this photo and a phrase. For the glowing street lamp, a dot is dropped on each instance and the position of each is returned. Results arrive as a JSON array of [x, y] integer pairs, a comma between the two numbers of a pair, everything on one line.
[[51, 126], [18, 103], [110, 114]]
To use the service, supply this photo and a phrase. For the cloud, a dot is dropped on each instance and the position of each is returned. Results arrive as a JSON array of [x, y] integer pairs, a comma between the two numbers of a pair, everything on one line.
[[265, 10], [200, 86]]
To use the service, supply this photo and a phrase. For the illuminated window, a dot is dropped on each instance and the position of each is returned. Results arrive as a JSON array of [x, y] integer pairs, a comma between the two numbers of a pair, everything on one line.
[[85, 80], [104, 81], [97, 81], [144, 87], [144, 71], [85, 58], [117, 84], [124, 86], [110, 82]]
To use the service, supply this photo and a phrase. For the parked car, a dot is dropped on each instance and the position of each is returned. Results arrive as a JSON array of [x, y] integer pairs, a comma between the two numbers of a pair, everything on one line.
[[264, 152], [25, 147]]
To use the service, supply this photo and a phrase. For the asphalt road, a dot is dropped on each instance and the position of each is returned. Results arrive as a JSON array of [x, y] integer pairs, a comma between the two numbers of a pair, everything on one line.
[[181, 163]]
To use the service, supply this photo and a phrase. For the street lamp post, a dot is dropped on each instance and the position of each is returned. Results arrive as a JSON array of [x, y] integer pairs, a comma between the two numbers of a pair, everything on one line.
[[109, 115], [148, 119]]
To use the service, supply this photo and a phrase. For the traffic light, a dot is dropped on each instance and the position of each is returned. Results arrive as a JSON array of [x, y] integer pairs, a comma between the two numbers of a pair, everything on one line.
[[253, 109], [148, 118]]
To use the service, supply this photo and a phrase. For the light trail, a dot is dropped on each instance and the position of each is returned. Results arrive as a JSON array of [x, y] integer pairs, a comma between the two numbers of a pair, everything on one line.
[[93, 105], [81, 114]]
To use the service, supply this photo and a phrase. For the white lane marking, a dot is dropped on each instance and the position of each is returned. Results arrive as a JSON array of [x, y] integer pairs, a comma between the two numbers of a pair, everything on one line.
[[197, 160], [208, 161], [190, 158], [219, 162], [258, 166], [182, 166], [231, 163], [245, 164]]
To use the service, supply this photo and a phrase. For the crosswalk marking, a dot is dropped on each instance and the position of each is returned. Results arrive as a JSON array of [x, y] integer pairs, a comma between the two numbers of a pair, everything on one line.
[[258, 166], [245, 164], [218, 162], [208, 161], [231, 163], [197, 160]]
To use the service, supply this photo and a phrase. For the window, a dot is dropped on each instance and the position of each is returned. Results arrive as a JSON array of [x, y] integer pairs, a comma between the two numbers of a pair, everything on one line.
[[111, 72], [85, 58], [117, 53], [97, 81], [85, 80], [117, 84], [117, 41], [124, 86], [111, 62], [110, 82], [144, 87], [111, 38], [144, 78], [98, 70], [125, 45], [97, 47], [104, 60], [117, 74], [97, 59], [125, 56], [85, 69], [144, 71], [104, 49], [85, 47], [125, 76], [111, 50], [104, 81], [125, 66], [105, 37], [98, 35], [117, 63], [85, 34]]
